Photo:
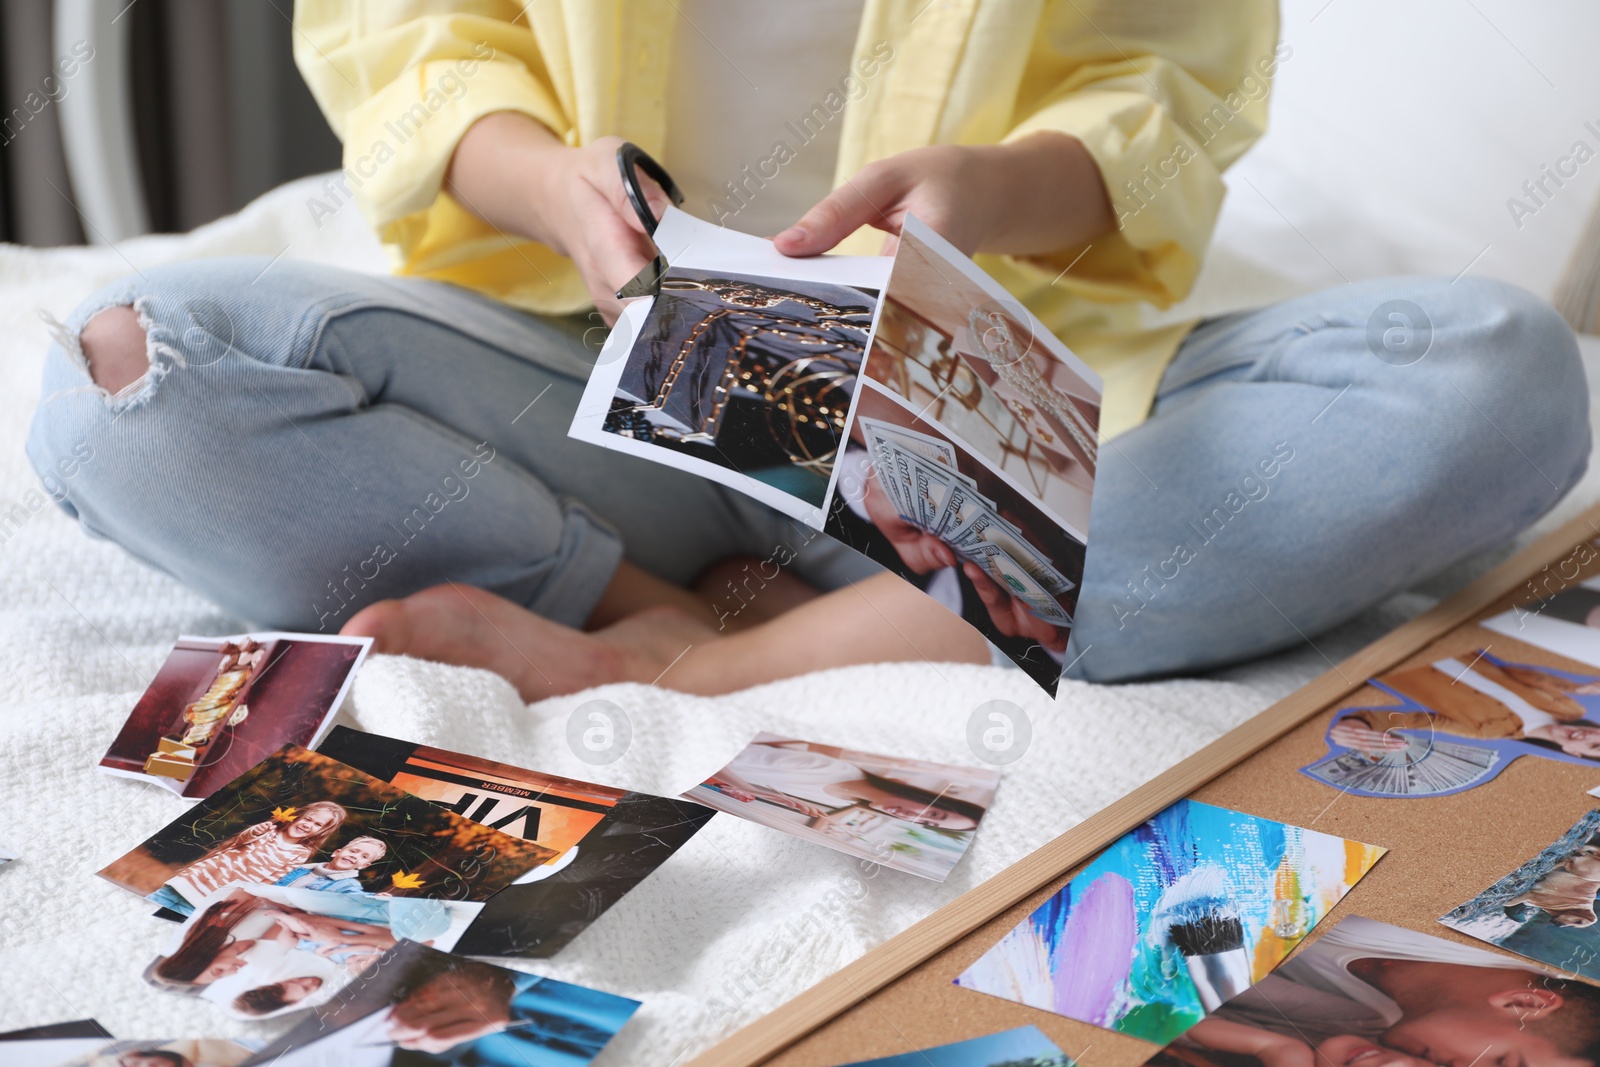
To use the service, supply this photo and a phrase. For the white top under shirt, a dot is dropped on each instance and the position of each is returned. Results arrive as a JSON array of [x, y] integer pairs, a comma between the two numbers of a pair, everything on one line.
[[1532, 718], [1314, 996], [743, 77]]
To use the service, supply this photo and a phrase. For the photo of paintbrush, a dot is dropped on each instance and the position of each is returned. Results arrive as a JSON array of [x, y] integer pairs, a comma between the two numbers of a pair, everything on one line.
[[1197, 916]]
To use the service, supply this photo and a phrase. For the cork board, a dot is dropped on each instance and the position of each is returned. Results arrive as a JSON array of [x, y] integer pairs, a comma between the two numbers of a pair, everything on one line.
[[1443, 850]]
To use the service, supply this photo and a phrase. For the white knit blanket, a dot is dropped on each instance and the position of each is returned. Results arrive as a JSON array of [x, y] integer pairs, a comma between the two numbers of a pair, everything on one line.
[[740, 920]]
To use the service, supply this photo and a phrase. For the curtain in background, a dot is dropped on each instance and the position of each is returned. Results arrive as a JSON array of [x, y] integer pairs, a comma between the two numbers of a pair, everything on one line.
[[221, 114]]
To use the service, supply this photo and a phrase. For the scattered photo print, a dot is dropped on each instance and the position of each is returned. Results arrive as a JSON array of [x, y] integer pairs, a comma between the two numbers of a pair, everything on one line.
[[416, 1006], [908, 815], [1176, 917], [101, 1052], [961, 351], [1025, 1046], [919, 502], [1545, 909], [1567, 622], [604, 841], [219, 706], [1366, 992], [263, 951], [750, 373], [1459, 722], [304, 821], [75, 1028]]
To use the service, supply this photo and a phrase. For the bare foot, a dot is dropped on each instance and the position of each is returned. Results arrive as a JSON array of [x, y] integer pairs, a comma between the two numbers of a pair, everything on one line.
[[744, 591], [467, 626]]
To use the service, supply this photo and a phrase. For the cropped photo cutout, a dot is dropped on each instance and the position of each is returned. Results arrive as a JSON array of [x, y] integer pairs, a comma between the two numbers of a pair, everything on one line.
[[416, 1006], [963, 353], [919, 502], [107, 1052], [1545, 909], [1176, 917], [302, 820], [219, 706], [259, 952], [909, 815], [604, 841], [1368, 992], [1567, 622], [754, 374], [1025, 1046], [1458, 723]]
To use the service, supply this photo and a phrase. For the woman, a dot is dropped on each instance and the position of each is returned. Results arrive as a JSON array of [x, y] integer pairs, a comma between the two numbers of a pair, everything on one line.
[[413, 478]]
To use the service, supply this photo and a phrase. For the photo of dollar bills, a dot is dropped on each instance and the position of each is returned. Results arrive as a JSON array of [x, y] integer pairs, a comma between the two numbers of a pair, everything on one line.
[[920, 477]]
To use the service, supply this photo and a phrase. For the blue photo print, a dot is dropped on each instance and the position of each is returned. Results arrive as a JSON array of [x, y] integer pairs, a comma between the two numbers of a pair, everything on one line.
[[1025, 1046], [418, 1007], [1459, 722]]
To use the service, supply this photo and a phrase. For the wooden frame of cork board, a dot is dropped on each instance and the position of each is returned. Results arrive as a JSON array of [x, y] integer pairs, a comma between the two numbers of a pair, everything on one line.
[[1442, 850]]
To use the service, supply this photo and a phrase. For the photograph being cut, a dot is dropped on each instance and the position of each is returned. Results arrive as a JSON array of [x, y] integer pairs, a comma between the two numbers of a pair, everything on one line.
[[918, 501], [750, 373], [965, 354]]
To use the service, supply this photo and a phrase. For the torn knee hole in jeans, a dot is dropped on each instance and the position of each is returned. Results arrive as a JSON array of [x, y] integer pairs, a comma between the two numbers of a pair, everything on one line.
[[120, 350]]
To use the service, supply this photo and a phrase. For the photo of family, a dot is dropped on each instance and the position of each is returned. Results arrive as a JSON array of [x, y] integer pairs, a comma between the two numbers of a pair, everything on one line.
[[415, 1006], [909, 815], [1025, 1046], [106, 1052], [219, 706], [963, 353], [754, 374], [264, 951], [1459, 722], [1172, 920], [304, 821], [916, 500], [1370, 993], [1545, 909], [1566, 623], [604, 841]]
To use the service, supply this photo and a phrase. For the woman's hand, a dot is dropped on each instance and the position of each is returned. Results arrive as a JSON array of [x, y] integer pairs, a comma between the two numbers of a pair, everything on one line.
[[919, 550], [515, 174], [1353, 733], [1034, 196]]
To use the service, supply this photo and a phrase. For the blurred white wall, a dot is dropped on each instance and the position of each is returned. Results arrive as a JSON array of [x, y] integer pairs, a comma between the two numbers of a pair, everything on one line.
[[1398, 132]]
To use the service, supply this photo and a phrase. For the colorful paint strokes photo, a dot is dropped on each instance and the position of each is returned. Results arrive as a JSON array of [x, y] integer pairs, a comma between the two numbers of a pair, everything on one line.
[[1172, 920], [1025, 1046]]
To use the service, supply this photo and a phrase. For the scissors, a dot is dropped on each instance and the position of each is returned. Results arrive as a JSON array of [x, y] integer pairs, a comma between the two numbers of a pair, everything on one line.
[[630, 160]]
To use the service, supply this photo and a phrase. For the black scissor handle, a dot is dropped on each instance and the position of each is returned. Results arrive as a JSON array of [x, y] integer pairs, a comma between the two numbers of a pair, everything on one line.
[[630, 160]]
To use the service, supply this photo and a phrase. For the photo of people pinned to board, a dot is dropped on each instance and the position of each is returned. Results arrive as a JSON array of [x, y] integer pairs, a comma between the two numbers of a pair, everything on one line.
[[964, 354], [264, 951], [1174, 918], [416, 1007], [219, 706], [918, 501], [1545, 909], [1459, 721], [750, 373], [1369, 993], [302, 820], [906, 814]]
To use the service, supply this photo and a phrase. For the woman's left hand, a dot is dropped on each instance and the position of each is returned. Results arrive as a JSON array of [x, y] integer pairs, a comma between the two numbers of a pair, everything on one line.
[[1033, 196]]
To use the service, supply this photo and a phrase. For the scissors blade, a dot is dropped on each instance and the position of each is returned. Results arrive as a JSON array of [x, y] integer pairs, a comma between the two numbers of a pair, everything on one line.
[[646, 283]]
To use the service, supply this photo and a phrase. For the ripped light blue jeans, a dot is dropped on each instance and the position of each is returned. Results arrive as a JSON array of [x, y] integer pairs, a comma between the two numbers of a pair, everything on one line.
[[309, 440]]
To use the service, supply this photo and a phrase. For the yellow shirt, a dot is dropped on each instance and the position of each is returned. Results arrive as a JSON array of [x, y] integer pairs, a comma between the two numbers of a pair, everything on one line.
[[1163, 96]]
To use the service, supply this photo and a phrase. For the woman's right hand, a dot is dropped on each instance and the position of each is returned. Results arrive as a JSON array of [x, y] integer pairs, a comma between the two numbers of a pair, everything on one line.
[[512, 172]]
